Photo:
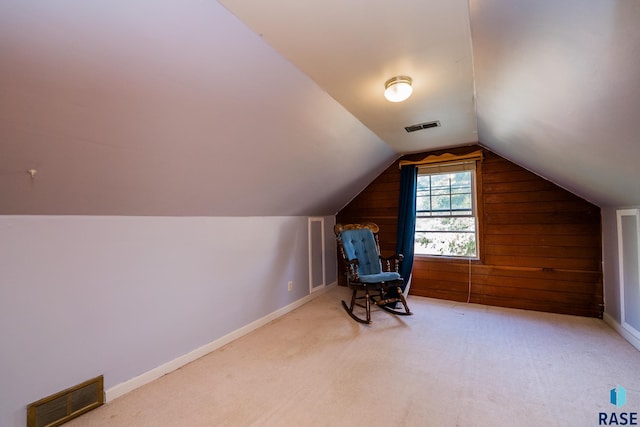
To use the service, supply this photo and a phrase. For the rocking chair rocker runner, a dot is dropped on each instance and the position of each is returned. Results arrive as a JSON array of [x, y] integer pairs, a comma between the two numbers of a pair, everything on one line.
[[360, 249]]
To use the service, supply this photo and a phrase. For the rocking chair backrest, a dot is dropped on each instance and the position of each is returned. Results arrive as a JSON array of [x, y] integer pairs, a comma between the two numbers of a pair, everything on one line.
[[360, 250], [360, 243]]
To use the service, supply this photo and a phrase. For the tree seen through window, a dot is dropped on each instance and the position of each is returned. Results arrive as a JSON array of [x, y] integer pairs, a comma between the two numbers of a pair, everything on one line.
[[445, 214]]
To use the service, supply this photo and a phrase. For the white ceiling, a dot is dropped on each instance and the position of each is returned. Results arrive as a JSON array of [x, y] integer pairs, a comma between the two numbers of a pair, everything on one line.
[[351, 48], [558, 85], [187, 107], [166, 108]]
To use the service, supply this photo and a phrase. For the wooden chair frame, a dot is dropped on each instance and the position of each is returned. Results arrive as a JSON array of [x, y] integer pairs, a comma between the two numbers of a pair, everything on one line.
[[382, 294]]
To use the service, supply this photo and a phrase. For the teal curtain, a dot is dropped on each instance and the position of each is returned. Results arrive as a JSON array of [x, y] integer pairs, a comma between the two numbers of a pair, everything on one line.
[[407, 219]]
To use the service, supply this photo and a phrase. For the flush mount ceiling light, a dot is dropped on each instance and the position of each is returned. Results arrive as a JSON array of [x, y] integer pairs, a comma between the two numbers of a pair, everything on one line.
[[398, 88]]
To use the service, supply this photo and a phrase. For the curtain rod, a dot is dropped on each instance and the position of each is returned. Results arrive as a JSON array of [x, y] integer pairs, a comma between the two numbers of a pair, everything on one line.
[[442, 158]]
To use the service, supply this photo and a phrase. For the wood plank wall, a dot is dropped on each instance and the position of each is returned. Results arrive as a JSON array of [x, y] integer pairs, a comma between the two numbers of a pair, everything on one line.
[[540, 246]]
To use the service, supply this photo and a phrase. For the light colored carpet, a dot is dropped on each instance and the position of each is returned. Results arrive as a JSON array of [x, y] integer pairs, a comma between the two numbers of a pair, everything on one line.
[[450, 364]]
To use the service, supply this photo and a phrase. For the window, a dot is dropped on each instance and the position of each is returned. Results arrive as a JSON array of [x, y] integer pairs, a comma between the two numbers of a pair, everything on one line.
[[446, 210]]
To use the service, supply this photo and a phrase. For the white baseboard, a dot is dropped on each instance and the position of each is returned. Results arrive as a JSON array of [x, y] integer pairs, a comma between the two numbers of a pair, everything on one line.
[[145, 378], [622, 331]]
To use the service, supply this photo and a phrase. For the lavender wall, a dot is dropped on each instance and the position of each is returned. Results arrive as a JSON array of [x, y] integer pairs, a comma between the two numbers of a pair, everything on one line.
[[82, 296]]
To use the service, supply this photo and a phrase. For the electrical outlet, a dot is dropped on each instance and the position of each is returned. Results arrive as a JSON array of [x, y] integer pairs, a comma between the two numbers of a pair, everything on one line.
[[290, 285]]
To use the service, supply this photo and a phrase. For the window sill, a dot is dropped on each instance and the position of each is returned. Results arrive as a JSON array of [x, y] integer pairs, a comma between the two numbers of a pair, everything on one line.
[[445, 258]]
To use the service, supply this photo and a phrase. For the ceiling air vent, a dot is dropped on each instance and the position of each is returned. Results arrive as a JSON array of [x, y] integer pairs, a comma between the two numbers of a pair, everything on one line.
[[421, 126]]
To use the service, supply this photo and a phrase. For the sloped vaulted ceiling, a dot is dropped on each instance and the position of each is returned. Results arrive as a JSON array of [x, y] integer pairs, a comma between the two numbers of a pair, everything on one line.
[[556, 83], [166, 108], [350, 48], [558, 87], [190, 107]]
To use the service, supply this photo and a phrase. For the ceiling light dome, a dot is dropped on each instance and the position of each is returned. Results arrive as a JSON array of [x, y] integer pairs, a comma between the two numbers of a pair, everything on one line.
[[398, 88]]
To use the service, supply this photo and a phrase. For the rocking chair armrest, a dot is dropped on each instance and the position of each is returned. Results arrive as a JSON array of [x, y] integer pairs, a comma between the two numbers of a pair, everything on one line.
[[396, 258], [352, 267]]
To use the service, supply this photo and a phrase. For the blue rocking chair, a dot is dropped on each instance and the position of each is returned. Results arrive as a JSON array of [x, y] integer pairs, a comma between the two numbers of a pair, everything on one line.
[[368, 281]]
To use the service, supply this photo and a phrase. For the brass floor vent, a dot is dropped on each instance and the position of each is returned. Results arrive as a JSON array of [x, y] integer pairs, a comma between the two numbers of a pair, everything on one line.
[[61, 407]]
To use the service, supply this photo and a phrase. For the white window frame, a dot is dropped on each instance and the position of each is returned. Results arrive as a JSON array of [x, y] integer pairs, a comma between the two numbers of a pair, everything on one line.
[[459, 166]]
